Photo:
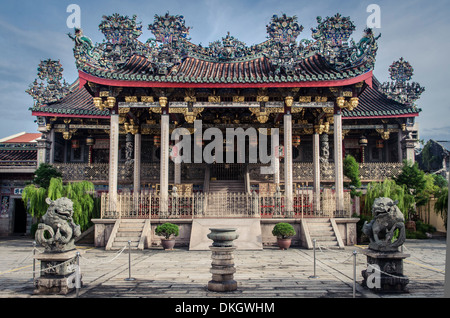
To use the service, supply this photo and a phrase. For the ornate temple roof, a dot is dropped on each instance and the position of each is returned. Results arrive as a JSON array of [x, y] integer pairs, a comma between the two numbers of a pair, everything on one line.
[[170, 57], [372, 103]]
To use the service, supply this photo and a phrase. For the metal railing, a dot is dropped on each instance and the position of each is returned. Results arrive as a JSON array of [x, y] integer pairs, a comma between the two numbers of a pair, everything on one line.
[[222, 205]]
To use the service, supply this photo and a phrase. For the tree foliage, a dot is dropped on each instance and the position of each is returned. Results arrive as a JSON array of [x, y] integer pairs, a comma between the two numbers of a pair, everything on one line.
[[351, 171], [441, 205], [81, 194], [389, 189], [412, 178], [44, 174]]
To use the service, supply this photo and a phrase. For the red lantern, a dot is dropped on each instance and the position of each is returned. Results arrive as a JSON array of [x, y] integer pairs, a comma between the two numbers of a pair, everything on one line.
[[296, 141], [380, 144], [157, 141], [75, 144]]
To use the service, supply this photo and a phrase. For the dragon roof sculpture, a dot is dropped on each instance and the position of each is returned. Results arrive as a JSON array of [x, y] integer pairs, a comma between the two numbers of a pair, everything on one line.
[[329, 55]]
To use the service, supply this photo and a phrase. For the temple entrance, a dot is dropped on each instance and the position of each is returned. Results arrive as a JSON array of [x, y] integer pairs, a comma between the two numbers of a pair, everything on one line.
[[228, 171], [20, 217]]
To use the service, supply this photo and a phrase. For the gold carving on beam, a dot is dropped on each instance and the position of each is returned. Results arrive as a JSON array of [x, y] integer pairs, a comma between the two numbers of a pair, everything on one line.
[[124, 110], [238, 99], [214, 99], [262, 99], [340, 101], [155, 110], [354, 102], [328, 110], [163, 101], [308, 131], [319, 129], [333, 89], [100, 104], [289, 101], [347, 94], [147, 99], [305, 99], [345, 132], [131, 127], [385, 134], [104, 94], [296, 110], [321, 99], [360, 84], [131, 99]]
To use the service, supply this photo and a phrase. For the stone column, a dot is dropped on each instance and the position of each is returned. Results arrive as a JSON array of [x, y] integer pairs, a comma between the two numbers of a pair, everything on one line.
[[338, 160], [43, 149], [288, 186], [137, 164], [164, 176], [316, 171], [113, 160], [177, 173]]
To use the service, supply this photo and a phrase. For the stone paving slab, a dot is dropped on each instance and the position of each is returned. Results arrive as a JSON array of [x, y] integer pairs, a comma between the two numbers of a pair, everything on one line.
[[270, 273]]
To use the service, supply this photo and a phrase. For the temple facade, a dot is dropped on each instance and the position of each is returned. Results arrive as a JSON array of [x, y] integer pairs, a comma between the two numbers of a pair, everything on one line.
[[168, 129]]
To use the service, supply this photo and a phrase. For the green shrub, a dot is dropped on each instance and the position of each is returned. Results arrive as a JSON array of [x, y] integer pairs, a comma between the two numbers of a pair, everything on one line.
[[167, 230], [283, 230]]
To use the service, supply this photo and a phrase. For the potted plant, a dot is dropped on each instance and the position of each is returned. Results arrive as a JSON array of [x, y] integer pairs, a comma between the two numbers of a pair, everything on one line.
[[169, 231], [284, 232]]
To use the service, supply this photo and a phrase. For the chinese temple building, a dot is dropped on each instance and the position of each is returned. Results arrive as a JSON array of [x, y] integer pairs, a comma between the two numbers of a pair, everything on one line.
[[114, 126]]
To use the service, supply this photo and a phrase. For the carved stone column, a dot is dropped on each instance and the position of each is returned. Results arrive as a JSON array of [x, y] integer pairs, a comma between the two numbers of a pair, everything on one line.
[[316, 171], [288, 163], [113, 160], [137, 163], [338, 159], [164, 176]]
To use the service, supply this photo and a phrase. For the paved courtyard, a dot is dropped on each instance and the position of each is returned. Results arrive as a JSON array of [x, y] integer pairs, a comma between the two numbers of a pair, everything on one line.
[[181, 273]]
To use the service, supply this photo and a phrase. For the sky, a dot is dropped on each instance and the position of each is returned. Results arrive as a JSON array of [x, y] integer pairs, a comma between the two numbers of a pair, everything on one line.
[[417, 30]]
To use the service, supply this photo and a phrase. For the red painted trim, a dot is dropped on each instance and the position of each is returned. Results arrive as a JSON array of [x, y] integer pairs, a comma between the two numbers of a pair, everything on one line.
[[380, 117], [67, 115], [367, 77]]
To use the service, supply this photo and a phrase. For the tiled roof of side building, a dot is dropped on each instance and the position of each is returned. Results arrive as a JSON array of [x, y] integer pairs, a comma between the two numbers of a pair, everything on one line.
[[373, 103], [77, 102]]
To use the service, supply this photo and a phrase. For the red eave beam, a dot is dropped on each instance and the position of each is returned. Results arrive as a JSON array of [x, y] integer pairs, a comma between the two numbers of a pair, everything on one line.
[[43, 114], [84, 77]]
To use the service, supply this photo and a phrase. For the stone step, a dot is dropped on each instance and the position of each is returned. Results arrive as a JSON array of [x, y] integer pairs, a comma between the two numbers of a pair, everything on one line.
[[127, 238]]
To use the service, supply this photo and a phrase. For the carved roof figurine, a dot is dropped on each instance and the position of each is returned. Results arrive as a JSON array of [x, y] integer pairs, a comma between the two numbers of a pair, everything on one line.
[[49, 71], [165, 58], [401, 90]]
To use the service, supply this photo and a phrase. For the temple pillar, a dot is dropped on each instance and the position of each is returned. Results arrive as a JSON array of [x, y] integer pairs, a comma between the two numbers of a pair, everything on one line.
[[288, 185], [338, 159], [316, 171], [137, 164], [164, 174], [113, 160], [177, 173]]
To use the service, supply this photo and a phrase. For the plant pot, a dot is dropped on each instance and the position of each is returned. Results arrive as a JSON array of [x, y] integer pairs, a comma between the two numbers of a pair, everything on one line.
[[411, 226], [168, 244], [284, 244]]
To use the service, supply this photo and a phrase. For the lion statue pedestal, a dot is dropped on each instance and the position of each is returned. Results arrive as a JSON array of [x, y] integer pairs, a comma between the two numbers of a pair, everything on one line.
[[387, 234], [57, 234]]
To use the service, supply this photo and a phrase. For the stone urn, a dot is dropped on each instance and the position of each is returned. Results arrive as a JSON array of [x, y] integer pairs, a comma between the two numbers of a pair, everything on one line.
[[223, 237], [222, 265]]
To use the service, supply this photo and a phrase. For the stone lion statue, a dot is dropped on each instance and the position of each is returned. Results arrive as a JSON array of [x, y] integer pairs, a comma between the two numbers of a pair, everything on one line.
[[387, 218], [57, 232]]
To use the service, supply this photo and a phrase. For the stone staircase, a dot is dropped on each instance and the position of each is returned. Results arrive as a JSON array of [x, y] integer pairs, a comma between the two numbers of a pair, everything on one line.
[[135, 231], [325, 232], [229, 186]]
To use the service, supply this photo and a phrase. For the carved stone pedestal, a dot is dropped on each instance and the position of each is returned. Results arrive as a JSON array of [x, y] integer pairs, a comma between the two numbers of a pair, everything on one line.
[[222, 266], [57, 273], [385, 272]]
